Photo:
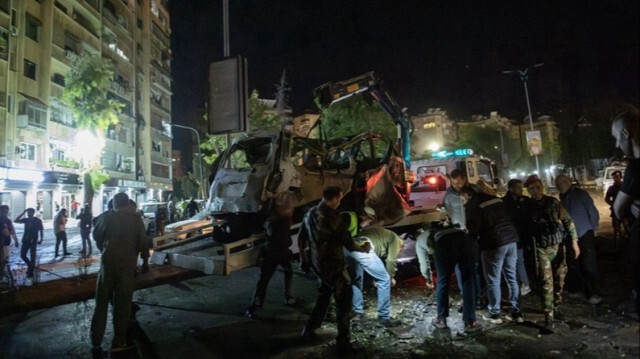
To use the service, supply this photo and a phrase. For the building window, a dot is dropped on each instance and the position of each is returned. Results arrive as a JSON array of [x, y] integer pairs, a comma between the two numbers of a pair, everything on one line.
[[37, 116], [62, 115], [4, 6], [9, 103], [32, 27], [4, 44], [58, 79], [29, 69], [58, 155], [3, 99], [27, 151], [159, 170]]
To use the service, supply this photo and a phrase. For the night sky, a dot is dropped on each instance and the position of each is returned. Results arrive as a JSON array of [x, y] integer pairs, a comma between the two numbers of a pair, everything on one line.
[[447, 54]]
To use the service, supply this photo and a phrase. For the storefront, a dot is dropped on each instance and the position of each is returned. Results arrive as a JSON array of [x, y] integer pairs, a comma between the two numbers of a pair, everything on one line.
[[45, 191]]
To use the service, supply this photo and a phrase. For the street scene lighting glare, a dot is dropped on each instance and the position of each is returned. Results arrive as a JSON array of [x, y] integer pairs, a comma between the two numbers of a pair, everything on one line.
[[434, 146], [89, 146]]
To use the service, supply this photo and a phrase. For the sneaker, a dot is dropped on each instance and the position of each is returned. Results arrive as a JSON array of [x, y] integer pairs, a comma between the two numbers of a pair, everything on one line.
[[471, 327], [491, 317], [389, 322], [517, 317], [524, 290], [594, 299], [439, 323]]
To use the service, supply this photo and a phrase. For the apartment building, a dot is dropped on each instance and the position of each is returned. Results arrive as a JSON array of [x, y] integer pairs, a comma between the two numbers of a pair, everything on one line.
[[40, 146]]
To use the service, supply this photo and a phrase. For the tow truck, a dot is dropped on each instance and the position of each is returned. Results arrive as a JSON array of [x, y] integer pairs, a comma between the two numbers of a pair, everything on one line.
[[261, 168]]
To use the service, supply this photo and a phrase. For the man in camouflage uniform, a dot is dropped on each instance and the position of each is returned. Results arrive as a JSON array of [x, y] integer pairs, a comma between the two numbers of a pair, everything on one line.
[[325, 235], [551, 222]]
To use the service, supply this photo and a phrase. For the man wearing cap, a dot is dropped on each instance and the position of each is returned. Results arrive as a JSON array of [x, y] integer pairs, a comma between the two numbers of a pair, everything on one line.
[[120, 235], [585, 217], [626, 130], [384, 244], [551, 220]]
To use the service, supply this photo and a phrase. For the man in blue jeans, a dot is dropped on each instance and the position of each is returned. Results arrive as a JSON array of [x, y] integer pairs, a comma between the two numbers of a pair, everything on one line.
[[382, 241], [452, 246], [490, 222]]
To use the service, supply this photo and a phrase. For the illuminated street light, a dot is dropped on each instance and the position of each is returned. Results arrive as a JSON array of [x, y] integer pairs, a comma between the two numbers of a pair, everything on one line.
[[434, 146], [524, 75], [89, 147]]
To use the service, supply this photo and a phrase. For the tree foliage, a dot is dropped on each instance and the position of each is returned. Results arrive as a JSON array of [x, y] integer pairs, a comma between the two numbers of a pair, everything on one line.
[[358, 114], [85, 93]]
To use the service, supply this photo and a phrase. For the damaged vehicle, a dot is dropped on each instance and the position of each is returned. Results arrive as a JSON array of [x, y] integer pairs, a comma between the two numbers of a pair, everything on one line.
[[260, 168]]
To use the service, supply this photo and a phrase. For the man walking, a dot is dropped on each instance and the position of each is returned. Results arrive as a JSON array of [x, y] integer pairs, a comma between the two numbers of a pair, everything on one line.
[[585, 217], [32, 226], [325, 235], [60, 230], [120, 235], [551, 221], [626, 130]]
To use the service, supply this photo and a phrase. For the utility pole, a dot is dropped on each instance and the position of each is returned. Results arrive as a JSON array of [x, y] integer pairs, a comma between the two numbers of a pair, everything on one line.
[[524, 74]]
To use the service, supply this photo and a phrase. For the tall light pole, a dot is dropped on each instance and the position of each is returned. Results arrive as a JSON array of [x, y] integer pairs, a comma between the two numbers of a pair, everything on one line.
[[524, 75], [204, 196]]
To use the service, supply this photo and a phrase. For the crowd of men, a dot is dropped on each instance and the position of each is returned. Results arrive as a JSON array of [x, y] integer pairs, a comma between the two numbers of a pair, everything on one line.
[[531, 242]]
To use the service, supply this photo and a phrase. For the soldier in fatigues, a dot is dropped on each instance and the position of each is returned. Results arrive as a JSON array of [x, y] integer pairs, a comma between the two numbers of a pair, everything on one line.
[[551, 221], [324, 233], [120, 236]]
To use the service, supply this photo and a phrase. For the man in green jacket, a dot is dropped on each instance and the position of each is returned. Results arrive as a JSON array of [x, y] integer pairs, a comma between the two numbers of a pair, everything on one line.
[[120, 235]]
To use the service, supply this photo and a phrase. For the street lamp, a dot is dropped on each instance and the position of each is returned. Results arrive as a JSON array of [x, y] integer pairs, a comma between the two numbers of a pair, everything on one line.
[[524, 74], [204, 196]]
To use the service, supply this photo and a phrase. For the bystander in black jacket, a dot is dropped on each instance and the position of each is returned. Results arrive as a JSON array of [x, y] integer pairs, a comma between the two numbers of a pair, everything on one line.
[[487, 218]]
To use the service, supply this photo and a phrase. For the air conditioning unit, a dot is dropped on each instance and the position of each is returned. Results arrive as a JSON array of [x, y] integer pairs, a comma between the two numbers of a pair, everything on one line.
[[22, 121], [14, 31]]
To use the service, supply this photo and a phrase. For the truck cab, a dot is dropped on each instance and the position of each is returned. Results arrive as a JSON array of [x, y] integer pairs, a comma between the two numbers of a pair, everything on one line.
[[432, 176]]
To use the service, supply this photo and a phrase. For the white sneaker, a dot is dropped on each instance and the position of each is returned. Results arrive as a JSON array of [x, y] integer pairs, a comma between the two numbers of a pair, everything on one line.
[[524, 290], [594, 299]]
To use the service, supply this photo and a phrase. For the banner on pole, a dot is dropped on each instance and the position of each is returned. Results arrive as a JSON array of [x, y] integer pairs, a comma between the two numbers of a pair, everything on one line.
[[535, 143]]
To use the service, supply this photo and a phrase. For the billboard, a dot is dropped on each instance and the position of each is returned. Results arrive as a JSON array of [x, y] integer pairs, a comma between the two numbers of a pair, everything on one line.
[[534, 140], [228, 96]]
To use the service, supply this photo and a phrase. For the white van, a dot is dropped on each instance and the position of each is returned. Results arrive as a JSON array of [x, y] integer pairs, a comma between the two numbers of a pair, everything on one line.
[[432, 176]]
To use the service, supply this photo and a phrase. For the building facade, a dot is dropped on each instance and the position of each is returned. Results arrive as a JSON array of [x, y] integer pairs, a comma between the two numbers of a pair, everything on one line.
[[41, 149]]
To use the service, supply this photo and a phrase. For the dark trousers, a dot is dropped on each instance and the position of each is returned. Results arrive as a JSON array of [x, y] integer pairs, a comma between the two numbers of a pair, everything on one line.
[[30, 246], [270, 262], [634, 255], [340, 287], [61, 237], [448, 253], [583, 272], [86, 241]]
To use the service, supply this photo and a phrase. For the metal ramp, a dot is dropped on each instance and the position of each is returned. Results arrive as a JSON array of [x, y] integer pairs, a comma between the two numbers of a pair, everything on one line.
[[203, 254]]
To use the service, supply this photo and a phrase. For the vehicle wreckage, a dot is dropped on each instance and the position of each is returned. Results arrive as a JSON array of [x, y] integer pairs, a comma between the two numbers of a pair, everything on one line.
[[261, 168]]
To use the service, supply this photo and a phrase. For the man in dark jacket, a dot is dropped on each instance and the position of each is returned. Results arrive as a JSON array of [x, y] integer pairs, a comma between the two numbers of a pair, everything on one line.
[[489, 221], [325, 235], [610, 197], [518, 207], [276, 253], [32, 227]]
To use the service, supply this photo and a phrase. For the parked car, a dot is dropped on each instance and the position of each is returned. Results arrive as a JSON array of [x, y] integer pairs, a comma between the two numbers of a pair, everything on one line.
[[200, 219]]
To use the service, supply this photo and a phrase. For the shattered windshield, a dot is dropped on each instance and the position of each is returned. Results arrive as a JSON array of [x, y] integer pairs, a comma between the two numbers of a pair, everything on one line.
[[248, 153]]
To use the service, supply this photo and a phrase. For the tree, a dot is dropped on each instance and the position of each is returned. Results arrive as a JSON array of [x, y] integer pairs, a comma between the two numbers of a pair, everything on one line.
[[85, 93], [358, 114]]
